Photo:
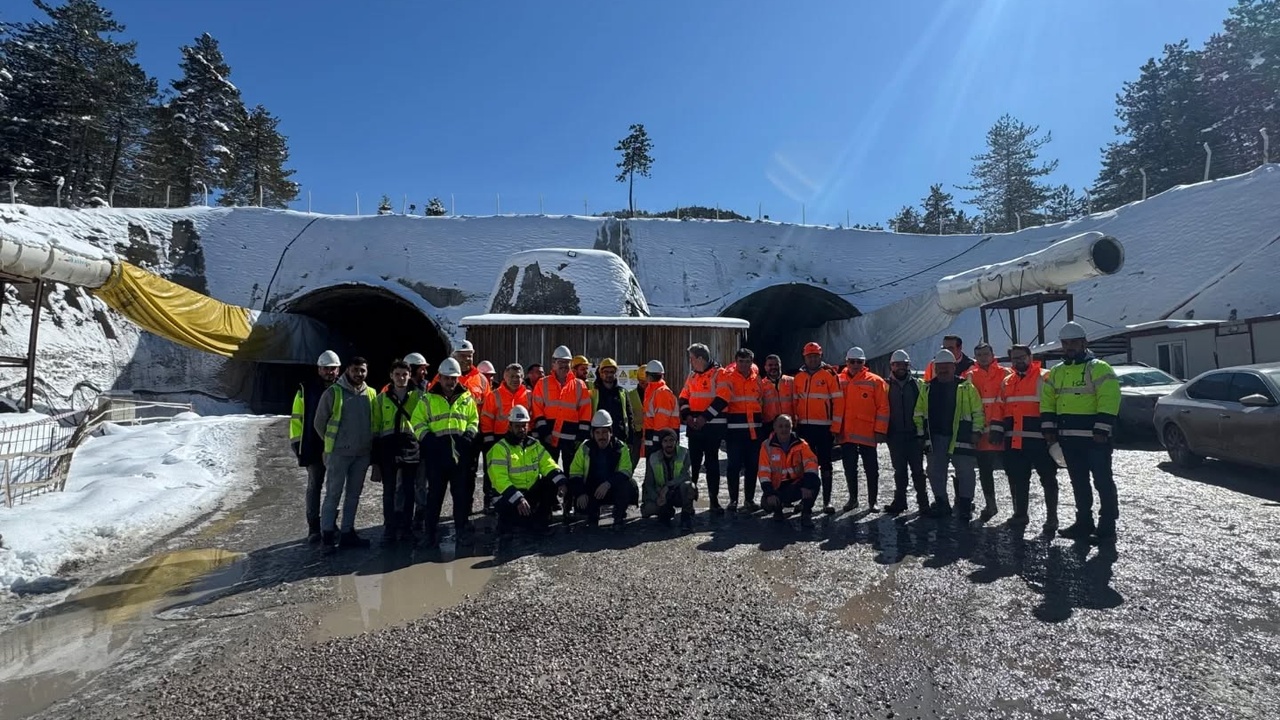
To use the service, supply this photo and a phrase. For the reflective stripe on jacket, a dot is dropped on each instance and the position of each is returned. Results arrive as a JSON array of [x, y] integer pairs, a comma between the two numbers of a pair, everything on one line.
[[817, 398], [442, 417], [1080, 398], [661, 412], [497, 407], [781, 464], [705, 393], [969, 417], [782, 400], [988, 383], [389, 419], [623, 468], [561, 412], [1016, 414], [515, 467], [333, 423], [865, 411], [748, 400]]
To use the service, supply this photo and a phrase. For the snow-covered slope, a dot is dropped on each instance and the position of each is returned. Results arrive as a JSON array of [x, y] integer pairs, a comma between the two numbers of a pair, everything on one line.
[[1208, 249]]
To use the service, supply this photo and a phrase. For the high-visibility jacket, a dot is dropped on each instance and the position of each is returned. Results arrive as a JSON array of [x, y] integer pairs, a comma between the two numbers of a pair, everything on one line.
[[580, 467], [705, 393], [817, 398], [444, 417], [307, 444], [968, 418], [515, 467], [497, 407], [1080, 398], [748, 399], [561, 412], [338, 390], [780, 464], [657, 475], [988, 383], [962, 366], [782, 400], [661, 411], [473, 380], [865, 412], [632, 413], [1016, 413], [390, 419]]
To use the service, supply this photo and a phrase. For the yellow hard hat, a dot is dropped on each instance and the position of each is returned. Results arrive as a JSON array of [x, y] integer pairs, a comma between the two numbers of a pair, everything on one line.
[[579, 360], [607, 362]]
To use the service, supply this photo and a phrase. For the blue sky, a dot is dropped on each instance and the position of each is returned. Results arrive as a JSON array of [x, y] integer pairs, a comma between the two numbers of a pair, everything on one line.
[[842, 106]]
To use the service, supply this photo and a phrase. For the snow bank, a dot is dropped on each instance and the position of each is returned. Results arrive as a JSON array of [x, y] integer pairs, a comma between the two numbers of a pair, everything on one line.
[[568, 282], [126, 488]]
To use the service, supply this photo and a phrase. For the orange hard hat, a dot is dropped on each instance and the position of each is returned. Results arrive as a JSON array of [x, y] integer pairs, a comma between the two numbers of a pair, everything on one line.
[[812, 348]]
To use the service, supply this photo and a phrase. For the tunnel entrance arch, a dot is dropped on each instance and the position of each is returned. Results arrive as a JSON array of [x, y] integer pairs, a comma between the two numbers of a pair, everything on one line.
[[784, 317], [365, 320]]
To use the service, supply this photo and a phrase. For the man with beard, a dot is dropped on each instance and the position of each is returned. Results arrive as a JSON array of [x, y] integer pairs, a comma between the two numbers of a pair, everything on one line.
[[622, 405], [782, 399], [819, 406], [395, 453], [748, 400], [668, 483], [949, 420], [525, 477], [906, 452], [703, 401], [987, 376], [601, 474], [864, 425], [449, 423], [307, 442], [1015, 425], [344, 417]]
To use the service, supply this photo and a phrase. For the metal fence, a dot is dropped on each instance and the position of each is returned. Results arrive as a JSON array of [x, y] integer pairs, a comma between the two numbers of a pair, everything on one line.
[[36, 455]]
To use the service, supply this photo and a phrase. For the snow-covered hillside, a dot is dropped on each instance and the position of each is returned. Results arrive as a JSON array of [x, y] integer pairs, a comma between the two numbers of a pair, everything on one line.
[[1205, 249]]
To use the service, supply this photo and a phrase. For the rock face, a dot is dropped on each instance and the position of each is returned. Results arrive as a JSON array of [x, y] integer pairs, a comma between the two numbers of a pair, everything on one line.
[[556, 281]]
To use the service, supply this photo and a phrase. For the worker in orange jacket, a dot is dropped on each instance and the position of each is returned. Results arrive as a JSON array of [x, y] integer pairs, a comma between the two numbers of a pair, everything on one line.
[[987, 376], [749, 400], [661, 408], [703, 402], [818, 407], [1015, 424], [865, 424], [561, 409], [955, 345], [494, 411], [788, 472], [782, 400]]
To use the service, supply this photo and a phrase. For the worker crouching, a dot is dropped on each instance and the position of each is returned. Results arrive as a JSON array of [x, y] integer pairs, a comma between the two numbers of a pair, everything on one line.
[[600, 473], [526, 480], [788, 471], [668, 482]]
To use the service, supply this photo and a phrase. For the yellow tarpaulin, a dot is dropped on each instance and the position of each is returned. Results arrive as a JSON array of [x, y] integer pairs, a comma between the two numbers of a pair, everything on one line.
[[174, 312]]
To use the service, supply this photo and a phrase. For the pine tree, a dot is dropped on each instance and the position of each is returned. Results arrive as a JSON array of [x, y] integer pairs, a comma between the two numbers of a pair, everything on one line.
[[74, 100], [1241, 85], [1063, 204], [907, 220], [257, 175], [636, 158], [939, 214], [1006, 176], [435, 208], [199, 122], [384, 205]]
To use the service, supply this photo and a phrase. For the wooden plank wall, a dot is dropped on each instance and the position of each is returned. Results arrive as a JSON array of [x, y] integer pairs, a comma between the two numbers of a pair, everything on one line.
[[628, 345]]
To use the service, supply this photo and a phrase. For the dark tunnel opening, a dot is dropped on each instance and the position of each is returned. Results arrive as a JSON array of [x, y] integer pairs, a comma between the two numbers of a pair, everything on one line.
[[784, 317], [366, 321]]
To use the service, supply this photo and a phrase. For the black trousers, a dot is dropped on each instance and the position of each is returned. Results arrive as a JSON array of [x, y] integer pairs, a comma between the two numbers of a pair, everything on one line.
[[822, 442], [540, 496], [315, 490], [622, 493], [790, 492], [399, 486], [987, 475], [1018, 465], [704, 451], [850, 453], [1086, 457], [448, 477], [744, 461], [907, 455]]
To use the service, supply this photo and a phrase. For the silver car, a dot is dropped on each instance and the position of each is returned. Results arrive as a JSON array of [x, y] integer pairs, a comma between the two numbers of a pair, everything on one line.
[[1231, 414], [1140, 387]]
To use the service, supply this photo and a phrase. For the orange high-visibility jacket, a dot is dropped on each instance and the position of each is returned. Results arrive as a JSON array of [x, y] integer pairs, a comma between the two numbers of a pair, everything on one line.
[[1016, 412], [748, 400], [661, 411], [988, 383], [561, 412], [705, 393], [473, 380], [497, 406], [781, 464], [782, 400], [866, 407], [817, 398]]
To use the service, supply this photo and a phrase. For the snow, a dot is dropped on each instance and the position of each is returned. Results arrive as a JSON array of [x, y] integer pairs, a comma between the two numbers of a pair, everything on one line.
[[507, 319], [126, 488], [602, 281]]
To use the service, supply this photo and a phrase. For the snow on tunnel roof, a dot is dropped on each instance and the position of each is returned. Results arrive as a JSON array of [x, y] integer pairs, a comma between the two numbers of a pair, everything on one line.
[[511, 319]]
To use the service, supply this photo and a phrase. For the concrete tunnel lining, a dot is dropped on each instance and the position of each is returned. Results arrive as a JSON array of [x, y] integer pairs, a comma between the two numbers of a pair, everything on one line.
[[369, 321], [782, 316]]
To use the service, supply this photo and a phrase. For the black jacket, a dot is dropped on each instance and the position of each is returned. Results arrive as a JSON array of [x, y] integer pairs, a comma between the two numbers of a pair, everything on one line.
[[311, 450]]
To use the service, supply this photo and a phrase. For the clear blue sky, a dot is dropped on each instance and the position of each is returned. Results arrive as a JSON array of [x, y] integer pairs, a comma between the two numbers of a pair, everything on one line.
[[840, 105]]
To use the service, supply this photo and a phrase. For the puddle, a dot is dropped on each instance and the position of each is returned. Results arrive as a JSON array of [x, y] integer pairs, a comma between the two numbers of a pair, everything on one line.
[[62, 648], [380, 597], [869, 607]]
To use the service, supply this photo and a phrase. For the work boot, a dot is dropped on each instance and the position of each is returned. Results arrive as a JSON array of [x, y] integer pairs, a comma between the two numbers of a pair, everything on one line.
[[779, 515], [853, 503], [939, 509], [750, 506], [806, 515], [733, 507], [329, 542], [1051, 523], [964, 508], [1106, 532], [897, 507], [686, 520], [389, 535], [988, 512], [352, 540], [827, 509], [313, 531], [1081, 529]]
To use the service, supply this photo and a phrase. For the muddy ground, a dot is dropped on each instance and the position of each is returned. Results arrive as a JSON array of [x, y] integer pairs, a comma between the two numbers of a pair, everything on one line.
[[860, 616]]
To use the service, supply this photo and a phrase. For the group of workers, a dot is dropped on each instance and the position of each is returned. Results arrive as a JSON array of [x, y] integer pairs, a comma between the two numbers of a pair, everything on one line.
[[552, 442]]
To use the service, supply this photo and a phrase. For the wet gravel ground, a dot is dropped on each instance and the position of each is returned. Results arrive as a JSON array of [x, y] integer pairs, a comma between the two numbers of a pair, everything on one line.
[[860, 616]]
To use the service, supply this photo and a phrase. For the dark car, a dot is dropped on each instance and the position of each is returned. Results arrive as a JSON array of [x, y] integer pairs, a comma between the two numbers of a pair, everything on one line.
[[1140, 387], [1232, 414]]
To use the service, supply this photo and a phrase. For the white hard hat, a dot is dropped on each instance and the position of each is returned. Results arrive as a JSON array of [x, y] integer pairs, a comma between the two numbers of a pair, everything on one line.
[[450, 368], [415, 359], [518, 413], [328, 358], [561, 353], [465, 346], [654, 367], [486, 367], [900, 356], [944, 356], [602, 419], [855, 353], [1072, 331]]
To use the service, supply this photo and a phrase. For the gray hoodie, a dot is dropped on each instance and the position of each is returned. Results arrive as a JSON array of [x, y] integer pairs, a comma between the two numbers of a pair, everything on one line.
[[355, 432]]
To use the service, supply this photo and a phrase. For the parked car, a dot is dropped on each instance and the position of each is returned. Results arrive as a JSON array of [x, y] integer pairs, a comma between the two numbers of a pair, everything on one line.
[[1140, 387], [1230, 413]]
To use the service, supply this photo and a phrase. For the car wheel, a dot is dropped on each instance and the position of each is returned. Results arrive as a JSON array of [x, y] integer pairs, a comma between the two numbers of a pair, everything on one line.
[[1179, 451]]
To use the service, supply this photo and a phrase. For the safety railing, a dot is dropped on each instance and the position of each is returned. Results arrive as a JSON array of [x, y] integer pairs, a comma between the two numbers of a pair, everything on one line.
[[35, 456]]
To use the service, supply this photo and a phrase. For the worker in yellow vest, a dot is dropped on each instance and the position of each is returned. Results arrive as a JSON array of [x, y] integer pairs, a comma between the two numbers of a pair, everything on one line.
[[526, 480], [448, 423], [601, 473], [306, 441], [344, 417], [396, 452]]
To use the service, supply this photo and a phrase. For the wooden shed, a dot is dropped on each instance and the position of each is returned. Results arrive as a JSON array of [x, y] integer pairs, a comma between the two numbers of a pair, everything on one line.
[[631, 341]]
